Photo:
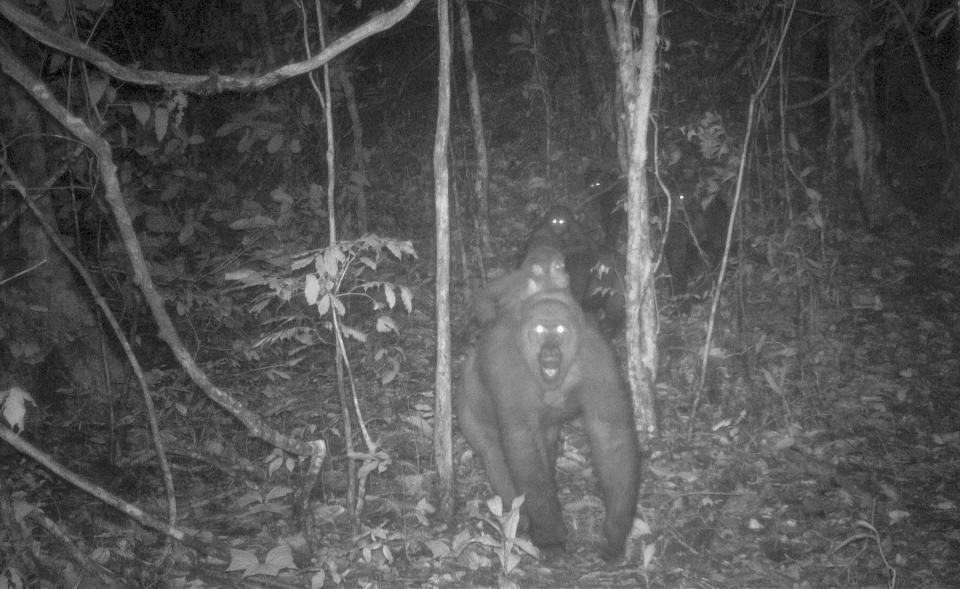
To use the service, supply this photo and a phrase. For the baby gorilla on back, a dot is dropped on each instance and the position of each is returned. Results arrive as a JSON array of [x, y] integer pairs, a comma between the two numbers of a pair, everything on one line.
[[542, 269], [561, 231]]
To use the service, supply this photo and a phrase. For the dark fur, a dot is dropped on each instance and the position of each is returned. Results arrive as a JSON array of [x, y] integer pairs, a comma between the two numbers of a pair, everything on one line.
[[560, 230], [534, 368], [541, 269], [696, 228]]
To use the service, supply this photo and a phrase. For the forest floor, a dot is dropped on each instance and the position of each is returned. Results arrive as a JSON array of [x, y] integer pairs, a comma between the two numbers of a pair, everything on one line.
[[831, 451], [826, 453], [852, 477]]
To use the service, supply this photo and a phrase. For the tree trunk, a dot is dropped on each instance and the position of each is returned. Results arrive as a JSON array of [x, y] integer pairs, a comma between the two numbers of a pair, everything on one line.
[[357, 185], [481, 183], [853, 135], [635, 72], [44, 312], [443, 401]]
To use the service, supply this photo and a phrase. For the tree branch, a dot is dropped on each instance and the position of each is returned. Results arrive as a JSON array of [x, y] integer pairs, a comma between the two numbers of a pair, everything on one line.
[[201, 84]]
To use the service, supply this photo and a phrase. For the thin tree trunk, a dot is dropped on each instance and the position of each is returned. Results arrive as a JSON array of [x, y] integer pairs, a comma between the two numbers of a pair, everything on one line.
[[597, 44], [641, 296], [539, 24], [46, 310], [620, 96], [263, 32], [854, 133], [482, 180], [443, 410], [955, 102], [359, 191]]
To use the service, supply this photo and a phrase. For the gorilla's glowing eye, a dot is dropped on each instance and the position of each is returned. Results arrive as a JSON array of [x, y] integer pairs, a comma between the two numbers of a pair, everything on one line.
[[561, 329], [540, 329]]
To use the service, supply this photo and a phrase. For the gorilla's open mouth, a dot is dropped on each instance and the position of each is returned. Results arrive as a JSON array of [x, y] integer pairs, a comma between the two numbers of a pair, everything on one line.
[[550, 371], [550, 359]]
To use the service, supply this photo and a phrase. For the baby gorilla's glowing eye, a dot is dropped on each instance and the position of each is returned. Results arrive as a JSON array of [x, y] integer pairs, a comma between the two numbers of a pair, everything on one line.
[[540, 329], [561, 329]]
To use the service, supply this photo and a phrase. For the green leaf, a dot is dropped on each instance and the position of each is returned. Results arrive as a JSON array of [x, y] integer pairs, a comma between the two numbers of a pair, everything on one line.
[[323, 306], [247, 276], [438, 548], [275, 143], [14, 403], [359, 179], [255, 222], [161, 119], [338, 306], [96, 87], [407, 297], [390, 373], [278, 492], [228, 128], [327, 262], [281, 196], [280, 558], [241, 560], [311, 289], [354, 333], [390, 295], [385, 324]]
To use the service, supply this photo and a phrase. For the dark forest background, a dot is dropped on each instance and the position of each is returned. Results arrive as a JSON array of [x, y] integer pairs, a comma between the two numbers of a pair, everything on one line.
[[814, 444]]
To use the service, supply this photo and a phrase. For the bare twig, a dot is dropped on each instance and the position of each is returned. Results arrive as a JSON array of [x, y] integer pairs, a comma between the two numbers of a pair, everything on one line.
[[88, 281], [47, 461], [748, 133], [12, 66], [25, 271], [925, 74]]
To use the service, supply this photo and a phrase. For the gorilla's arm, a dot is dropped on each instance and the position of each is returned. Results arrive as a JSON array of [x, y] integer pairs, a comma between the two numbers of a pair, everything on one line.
[[608, 420]]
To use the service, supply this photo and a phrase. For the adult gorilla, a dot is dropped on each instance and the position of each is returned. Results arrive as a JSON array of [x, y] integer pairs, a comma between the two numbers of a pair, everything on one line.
[[538, 365]]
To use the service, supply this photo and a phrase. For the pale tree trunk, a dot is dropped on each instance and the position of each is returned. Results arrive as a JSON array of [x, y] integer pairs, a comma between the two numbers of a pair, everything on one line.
[[635, 72], [854, 134], [443, 409]]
